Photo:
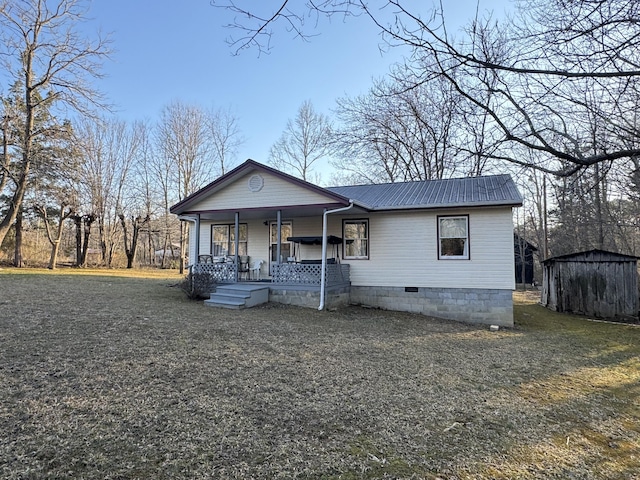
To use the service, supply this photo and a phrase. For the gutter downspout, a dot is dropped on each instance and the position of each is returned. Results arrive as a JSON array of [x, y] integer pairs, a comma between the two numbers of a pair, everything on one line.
[[323, 273], [196, 221]]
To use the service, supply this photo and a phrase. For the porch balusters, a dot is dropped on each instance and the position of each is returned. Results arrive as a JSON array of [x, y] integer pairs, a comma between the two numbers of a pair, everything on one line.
[[309, 274]]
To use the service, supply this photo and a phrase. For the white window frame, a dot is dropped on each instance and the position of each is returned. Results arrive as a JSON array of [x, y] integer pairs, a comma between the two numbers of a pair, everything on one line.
[[230, 247], [466, 249], [364, 221]]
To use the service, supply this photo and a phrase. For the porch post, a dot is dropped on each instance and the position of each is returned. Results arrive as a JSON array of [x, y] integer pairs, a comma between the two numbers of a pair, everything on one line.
[[279, 236], [195, 260], [236, 241]]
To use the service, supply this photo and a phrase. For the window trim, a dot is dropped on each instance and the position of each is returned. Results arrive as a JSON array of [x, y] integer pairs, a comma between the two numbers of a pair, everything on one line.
[[367, 238], [468, 238], [230, 243]]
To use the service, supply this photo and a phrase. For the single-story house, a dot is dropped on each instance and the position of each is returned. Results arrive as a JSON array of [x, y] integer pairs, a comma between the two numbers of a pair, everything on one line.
[[437, 247]]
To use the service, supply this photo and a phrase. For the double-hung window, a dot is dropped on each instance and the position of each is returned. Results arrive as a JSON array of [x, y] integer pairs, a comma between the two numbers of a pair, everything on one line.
[[453, 237], [355, 234], [223, 241]]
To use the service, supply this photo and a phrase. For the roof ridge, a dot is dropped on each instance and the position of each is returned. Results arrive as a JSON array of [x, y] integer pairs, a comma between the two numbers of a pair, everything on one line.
[[405, 182]]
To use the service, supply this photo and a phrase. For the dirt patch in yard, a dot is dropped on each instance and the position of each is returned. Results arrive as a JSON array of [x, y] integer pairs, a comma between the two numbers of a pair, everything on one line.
[[114, 377]]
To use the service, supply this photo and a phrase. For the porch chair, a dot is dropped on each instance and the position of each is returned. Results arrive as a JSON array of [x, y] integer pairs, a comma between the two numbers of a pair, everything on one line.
[[205, 259], [243, 267], [255, 267]]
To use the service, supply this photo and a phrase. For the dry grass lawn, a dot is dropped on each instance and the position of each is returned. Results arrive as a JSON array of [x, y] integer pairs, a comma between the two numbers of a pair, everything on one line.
[[104, 376]]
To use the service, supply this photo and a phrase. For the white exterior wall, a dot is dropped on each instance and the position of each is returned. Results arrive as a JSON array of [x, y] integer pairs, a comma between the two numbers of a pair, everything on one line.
[[274, 193], [403, 251], [403, 248]]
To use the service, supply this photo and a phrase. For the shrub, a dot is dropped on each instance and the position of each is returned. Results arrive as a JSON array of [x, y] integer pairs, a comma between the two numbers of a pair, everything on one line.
[[198, 285]]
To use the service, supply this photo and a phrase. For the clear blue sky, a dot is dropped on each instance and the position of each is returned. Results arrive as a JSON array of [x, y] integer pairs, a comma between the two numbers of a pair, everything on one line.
[[167, 50]]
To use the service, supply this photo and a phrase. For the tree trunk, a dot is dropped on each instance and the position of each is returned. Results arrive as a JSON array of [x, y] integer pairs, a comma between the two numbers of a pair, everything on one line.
[[152, 256], [88, 220], [17, 256], [14, 206], [55, 242], [54, 253], [82, 244], [167, 240], [77, 219], [598, 205], [136, 225]]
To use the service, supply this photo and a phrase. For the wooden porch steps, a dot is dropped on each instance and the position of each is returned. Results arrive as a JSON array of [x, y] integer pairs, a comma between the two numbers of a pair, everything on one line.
[[239, 295]]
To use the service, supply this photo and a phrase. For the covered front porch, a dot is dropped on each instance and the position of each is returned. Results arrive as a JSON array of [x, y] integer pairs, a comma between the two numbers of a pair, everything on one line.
[[255, 249], [298, 284], [256, 224]]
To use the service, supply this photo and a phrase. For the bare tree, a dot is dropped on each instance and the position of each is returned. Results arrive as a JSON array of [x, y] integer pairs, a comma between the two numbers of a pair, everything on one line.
[[397, 134], [83, 224], [137, 205], [183, 139], [185, 147], [54, 224], [55, 191], [42, 50], [109, 150], [146, 189], [522, 72], [162, 173], [131, 239], [225, 137], [305, 141]]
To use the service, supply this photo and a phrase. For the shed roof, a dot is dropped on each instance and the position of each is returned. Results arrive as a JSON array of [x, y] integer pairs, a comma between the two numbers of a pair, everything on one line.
[[594, 255], [454, 192]]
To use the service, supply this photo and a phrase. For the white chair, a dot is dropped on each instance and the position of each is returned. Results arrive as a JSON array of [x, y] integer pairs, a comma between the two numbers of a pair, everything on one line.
[[255, 267]]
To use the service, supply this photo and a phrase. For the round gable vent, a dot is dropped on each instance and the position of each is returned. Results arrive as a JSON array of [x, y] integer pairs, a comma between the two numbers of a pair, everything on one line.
[[256, 182]]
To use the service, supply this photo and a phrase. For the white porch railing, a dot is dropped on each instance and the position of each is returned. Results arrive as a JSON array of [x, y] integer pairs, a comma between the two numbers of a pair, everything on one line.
[[309, 274], [221, 272], [283, 274]]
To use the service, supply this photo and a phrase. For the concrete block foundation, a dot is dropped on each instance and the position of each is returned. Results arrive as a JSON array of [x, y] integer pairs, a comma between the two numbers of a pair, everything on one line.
[[484, 306], [335, 297]]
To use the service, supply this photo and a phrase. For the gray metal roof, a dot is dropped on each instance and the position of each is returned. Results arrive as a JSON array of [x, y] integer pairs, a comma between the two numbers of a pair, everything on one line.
[[454, 192]]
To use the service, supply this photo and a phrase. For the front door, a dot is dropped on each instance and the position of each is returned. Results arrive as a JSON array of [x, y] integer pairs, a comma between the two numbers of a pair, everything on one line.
[[286, 230]]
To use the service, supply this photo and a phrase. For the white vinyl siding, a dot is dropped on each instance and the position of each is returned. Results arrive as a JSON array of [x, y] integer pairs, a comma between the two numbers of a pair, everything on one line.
[[403, 248], [275, 192], [404, 251]]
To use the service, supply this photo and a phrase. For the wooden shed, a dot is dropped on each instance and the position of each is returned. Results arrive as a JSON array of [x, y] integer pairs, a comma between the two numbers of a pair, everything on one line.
[[598, 283]]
